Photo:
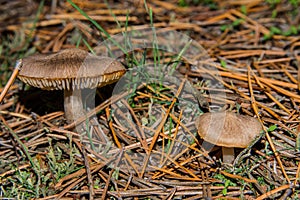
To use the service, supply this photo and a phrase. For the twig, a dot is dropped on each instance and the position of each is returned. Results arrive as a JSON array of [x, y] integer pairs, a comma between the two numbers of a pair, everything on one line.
[[274, 191], [11, 79], [277, 156], [88, 172]]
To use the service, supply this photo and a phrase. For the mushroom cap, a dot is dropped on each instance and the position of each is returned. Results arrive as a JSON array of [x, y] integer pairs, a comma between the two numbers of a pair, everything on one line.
[[228, 129], [69, 69]]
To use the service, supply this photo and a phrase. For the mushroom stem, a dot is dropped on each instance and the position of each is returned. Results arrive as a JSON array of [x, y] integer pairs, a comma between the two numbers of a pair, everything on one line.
[[228, 154], [73, 105]]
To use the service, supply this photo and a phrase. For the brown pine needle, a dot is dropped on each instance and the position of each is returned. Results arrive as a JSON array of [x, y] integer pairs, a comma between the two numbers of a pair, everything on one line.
[[118, 143], [274, 191], [166, 171], [11, 79], [94, 17], [252, 98], [277, 156], [297, 175], [270, 95], [281, 90], [159, 128], [267, 134], [235, 176]]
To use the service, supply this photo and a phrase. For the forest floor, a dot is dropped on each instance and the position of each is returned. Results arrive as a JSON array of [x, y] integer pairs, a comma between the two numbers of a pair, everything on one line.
[[142, 141]]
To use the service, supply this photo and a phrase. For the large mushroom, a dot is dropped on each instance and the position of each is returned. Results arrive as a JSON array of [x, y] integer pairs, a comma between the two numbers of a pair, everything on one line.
[[70, 70], [228, 130]]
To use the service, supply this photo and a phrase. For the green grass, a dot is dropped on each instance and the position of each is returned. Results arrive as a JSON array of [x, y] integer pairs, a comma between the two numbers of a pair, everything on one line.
[[291, 31], [273, 3], [25, 184]]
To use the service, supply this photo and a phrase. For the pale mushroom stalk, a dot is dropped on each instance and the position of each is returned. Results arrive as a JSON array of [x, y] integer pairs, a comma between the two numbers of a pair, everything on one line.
[[228, 154], [73, 105], [11, 79]]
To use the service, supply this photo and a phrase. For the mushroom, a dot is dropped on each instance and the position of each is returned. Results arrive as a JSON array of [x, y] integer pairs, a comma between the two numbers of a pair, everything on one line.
[[70, 70], [228, 130]]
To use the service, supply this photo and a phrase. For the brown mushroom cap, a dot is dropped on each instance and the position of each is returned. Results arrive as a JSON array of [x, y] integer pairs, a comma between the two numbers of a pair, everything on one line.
[[228, 129], [69, 69]]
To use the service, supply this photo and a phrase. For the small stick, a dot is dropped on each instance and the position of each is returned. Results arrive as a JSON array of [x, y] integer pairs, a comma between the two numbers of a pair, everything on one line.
[[88, 173], [116, 167], [274, 191], [270, 95], [255, 109], [298, 71], [11, 79]]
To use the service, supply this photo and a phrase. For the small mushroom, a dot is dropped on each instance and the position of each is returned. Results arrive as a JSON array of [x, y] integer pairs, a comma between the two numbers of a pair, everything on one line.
[[228, 130], [70, 70]]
